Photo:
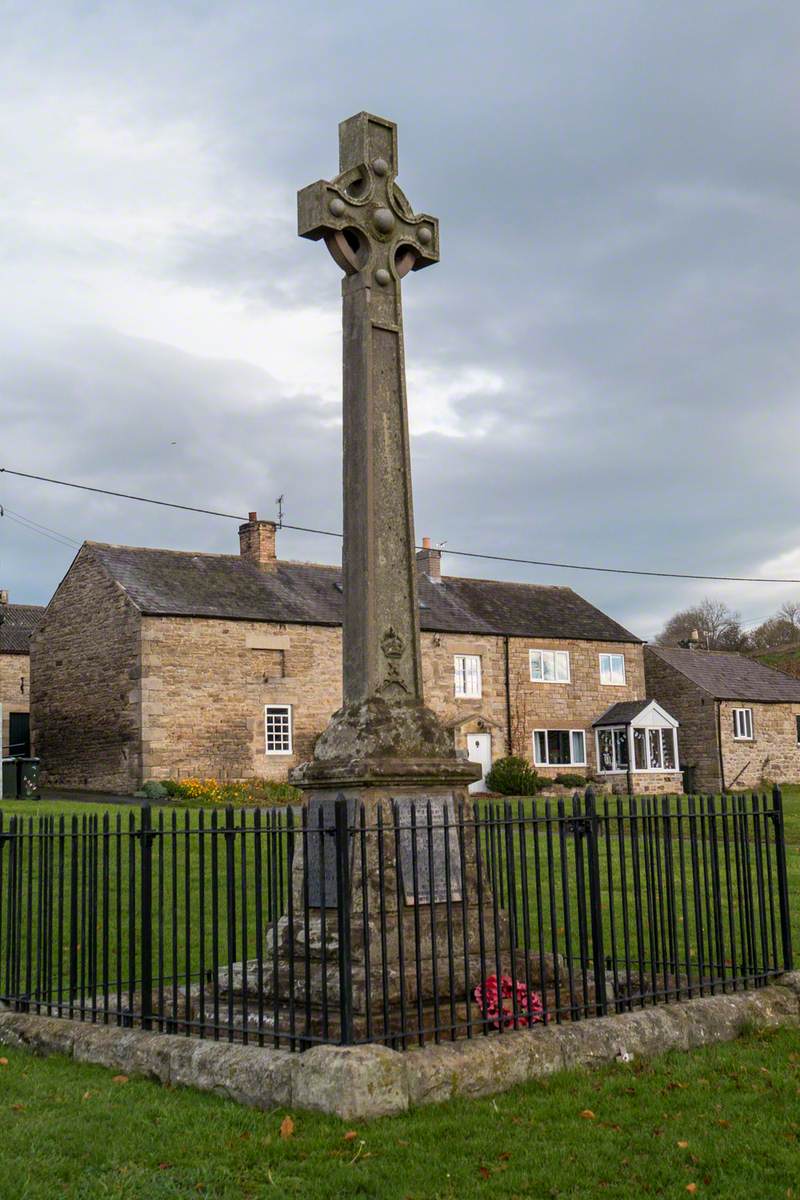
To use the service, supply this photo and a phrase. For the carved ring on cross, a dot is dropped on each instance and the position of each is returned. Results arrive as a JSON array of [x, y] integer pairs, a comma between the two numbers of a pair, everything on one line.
[[365, 219]]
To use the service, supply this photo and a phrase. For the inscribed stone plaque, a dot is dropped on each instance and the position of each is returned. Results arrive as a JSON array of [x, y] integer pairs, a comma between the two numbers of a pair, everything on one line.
[[321, 847], [429, 835]]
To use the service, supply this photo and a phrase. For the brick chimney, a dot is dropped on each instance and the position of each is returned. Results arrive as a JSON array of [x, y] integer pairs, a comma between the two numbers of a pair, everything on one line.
[[3, 596], [430, 561], [257, 542]]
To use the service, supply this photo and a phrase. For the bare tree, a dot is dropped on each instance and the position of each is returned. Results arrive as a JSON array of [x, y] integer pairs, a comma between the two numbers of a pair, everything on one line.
[[718, 627], [776, 631], [790, 612]]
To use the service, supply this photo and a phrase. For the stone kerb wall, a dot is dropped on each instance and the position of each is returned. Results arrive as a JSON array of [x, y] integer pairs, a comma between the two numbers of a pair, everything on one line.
[[697, 713], [772, 755], [13, 697], [85, 684]]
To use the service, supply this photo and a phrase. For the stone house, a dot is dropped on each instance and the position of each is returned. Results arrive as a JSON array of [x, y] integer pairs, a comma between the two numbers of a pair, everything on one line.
[[156, 664], [739, 720], [17, 622]]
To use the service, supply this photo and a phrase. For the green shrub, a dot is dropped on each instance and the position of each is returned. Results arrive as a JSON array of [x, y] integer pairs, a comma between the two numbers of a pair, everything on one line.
[[571, 781], [514, 776], [154, 790]]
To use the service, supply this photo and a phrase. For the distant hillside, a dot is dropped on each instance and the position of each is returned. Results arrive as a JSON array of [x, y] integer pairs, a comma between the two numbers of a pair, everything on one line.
[[782, 658]]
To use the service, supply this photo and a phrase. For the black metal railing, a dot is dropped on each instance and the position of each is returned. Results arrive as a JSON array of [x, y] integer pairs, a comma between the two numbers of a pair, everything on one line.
[[402, 924]]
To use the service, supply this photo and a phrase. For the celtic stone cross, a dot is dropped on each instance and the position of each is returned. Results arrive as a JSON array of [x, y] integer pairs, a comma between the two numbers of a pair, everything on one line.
[[376, 238]]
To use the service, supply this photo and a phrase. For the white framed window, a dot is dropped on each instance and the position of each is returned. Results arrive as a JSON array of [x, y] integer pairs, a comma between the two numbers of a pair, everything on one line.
[[278, 728], [549, 666], [612, 669], [467, 673], [612, 749], [654, 749], [559, 747], [743, 724]]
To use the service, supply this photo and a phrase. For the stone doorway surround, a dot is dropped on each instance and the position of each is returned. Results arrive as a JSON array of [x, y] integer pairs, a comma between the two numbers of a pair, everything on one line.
[[363, 1082]]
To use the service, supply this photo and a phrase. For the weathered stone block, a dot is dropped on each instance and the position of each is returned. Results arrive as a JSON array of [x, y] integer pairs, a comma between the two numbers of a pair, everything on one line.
[[251, 1075], [43, 1035], [354, 1082]]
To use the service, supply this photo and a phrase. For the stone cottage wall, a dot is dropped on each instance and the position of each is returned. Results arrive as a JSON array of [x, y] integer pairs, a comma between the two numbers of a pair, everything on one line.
[[772, 755], [15, 687], [85, 723], [205, 685], [698, 744], [574, 705]]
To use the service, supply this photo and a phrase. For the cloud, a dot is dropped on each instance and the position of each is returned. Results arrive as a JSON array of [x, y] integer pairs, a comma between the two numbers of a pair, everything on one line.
[[602, 369]]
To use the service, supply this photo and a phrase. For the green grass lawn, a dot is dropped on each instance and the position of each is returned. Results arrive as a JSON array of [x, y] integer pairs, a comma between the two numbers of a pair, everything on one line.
[[726, 1120]]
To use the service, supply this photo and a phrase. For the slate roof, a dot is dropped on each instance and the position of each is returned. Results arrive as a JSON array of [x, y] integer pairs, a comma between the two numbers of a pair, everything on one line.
[[179, 583], [17, 623], [726, 675], [622, 713]]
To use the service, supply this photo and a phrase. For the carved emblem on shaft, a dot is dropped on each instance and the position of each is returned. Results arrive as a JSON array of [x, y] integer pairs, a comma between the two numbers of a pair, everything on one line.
[[393, 646]]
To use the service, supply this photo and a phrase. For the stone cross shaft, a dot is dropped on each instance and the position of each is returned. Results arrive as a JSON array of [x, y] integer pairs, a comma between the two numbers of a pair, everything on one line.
[[372, 233]]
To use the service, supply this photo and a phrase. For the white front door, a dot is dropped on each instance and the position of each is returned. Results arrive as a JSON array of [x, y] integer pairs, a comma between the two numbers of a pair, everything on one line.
[[479, 750]]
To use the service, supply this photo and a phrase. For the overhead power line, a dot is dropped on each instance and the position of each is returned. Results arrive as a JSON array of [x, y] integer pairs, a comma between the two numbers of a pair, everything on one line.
[[505, 558]]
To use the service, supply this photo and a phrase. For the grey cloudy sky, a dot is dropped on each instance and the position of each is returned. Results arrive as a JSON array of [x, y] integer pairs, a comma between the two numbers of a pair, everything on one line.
[[603, 368]]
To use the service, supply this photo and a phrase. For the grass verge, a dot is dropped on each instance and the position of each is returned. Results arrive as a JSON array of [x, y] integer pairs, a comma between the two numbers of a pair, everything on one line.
[[723, 1122]]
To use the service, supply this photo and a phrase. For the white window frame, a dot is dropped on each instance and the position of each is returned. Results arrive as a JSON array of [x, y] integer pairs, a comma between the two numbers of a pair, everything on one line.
[[646, 730], [467, 680], [285, 710], [743, 718], [573, 762], [563, 654], [611, 681], [612, 729]]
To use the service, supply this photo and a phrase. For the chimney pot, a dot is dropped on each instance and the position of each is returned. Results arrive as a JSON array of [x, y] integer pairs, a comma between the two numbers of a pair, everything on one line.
[[257, 542], [252, 516], [429, 561]]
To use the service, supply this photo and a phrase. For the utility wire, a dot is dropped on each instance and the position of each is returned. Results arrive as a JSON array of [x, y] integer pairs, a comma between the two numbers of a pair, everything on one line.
[[528, 562], [34, 527]]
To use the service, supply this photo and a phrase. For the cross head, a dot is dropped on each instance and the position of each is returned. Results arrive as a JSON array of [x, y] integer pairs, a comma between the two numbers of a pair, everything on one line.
[[362, 215]]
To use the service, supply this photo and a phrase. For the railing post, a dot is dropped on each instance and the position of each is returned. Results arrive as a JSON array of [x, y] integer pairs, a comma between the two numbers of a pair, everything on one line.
[[783, 884], [74, 936], [598, 952], [342, 837], [146, 910]]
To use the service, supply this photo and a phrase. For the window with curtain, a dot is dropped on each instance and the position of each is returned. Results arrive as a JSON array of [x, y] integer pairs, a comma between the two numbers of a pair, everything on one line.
[[467, 672], [559, 747], [549, 666], [612, 669]]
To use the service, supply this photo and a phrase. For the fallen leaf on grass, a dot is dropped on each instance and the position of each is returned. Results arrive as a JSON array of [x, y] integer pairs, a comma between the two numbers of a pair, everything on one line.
[[287, 1128], [350, 1135], [17, 1107], [587, 1114], [87, 1095], [3, 1062], [119, 1079], [484, 1173], [682, 1145], [165, 1166], [691, 1187], [724, 1124]]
